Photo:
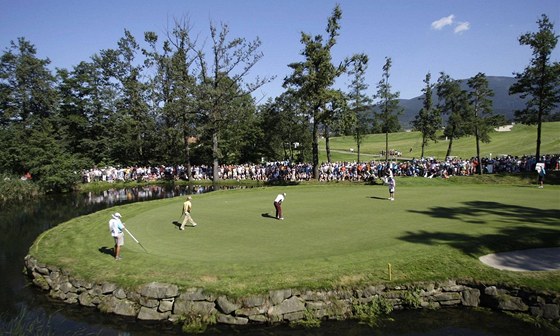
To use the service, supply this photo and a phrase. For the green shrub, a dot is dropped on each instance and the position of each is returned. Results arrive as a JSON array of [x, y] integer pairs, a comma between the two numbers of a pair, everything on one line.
[[309, 320], [59, 175], [370, 312], [13, 188], [197, 324], [411, 298]]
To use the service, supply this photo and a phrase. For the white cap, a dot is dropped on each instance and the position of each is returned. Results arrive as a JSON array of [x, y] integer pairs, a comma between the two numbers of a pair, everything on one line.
[[116, 215]]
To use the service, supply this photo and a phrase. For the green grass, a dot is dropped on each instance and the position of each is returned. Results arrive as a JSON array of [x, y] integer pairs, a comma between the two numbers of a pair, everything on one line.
[[521, 140], [334, 235]]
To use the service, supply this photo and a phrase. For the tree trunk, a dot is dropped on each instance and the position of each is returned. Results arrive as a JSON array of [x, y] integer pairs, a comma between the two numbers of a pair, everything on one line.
[[423, 145], [140, 143], [358, 142], [315, 150], [539, 126], [386, 146], [215, 153], [327, 144], [541, 109], [479, 167], [448, 154], [188, 157]]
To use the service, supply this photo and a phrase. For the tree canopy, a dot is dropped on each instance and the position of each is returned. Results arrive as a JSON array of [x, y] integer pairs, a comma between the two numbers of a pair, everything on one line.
[[181, 99], [428, 119], [539, 83]]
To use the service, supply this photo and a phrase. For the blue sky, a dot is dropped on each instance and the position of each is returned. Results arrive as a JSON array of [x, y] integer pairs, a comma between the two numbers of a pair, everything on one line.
[[459, 37]]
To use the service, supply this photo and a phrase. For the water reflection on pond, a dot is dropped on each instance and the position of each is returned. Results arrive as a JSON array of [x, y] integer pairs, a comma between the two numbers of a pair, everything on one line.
[[118, 196], [22, 222]]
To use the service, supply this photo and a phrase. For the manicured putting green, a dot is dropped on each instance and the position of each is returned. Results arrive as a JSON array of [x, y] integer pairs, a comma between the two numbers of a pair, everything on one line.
[[333, 235]]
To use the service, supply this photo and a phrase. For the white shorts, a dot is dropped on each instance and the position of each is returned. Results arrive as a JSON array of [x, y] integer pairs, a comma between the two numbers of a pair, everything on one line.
[[119, 240]]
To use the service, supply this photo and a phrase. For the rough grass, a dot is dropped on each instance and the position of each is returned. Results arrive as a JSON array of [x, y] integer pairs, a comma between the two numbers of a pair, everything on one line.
[[334, 235]]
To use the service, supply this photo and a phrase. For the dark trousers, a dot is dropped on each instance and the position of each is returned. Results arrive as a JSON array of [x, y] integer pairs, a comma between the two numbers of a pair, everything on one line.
[[278, 207]]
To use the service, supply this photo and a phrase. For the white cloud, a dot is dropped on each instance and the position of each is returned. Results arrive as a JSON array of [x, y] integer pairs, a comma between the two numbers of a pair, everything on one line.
[[444, 21], [461, 27]]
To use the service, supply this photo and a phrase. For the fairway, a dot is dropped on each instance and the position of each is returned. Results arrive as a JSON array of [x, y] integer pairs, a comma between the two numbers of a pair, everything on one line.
[[333, 235], [519, 141]]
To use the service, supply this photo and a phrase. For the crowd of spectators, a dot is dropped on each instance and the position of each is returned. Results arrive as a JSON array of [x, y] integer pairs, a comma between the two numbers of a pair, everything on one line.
[[335, 171]]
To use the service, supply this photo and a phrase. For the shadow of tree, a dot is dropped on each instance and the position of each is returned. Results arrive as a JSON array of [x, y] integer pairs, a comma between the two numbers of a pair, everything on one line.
[[520, 233], [472, 212]]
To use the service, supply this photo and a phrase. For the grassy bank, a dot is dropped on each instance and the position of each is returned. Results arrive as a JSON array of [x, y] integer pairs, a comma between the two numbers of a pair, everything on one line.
[[334, 235]]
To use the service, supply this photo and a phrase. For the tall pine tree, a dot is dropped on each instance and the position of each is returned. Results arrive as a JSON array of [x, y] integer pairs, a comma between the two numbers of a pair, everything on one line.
[[452, 102], [312, 79], [428, 120], [540, 81], [388, 109], [359, 101], [482, 119]]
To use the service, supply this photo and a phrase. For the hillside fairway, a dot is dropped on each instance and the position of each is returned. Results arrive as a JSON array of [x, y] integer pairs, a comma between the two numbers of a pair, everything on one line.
[[519, 141], [333, 235]]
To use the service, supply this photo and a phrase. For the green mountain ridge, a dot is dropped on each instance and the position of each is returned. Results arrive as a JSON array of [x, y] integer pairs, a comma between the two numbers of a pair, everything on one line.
[[503, 103]]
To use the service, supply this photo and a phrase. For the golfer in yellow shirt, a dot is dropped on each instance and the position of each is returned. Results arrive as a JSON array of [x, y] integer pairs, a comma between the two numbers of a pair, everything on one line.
[[187, 207]]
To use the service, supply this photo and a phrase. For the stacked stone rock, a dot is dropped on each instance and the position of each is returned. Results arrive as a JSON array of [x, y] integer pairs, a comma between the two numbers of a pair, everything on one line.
[[161, 301]]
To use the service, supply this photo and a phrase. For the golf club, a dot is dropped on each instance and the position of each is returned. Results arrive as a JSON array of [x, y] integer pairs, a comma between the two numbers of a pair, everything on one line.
[[136, 240]]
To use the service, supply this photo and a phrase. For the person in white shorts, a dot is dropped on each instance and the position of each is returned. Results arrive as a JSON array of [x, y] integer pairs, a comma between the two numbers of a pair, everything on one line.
[[116, 226]]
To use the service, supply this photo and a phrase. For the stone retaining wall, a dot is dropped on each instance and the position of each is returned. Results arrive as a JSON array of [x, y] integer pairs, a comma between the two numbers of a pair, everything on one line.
[[160, 301]]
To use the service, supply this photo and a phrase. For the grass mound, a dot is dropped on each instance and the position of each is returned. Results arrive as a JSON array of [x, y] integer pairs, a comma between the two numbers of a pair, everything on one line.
[[333, 235]]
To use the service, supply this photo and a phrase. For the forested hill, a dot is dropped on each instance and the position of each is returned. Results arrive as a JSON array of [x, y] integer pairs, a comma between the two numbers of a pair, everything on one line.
[[503, 103]]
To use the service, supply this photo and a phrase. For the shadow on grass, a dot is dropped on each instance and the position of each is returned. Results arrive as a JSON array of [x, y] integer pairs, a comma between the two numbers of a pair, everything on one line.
[[475, 212], [517, 235], [379, 198], [267, 215], [106, 250], [177, 224]]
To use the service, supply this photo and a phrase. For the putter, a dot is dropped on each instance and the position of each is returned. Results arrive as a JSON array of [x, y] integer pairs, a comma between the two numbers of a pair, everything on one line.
[[136, 240]]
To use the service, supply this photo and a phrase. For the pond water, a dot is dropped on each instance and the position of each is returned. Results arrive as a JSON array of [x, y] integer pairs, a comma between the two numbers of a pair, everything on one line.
[[22, 222]]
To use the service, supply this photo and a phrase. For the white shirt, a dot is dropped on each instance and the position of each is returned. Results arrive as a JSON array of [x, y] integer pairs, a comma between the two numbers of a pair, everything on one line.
[[279, 198], [115, 225]]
